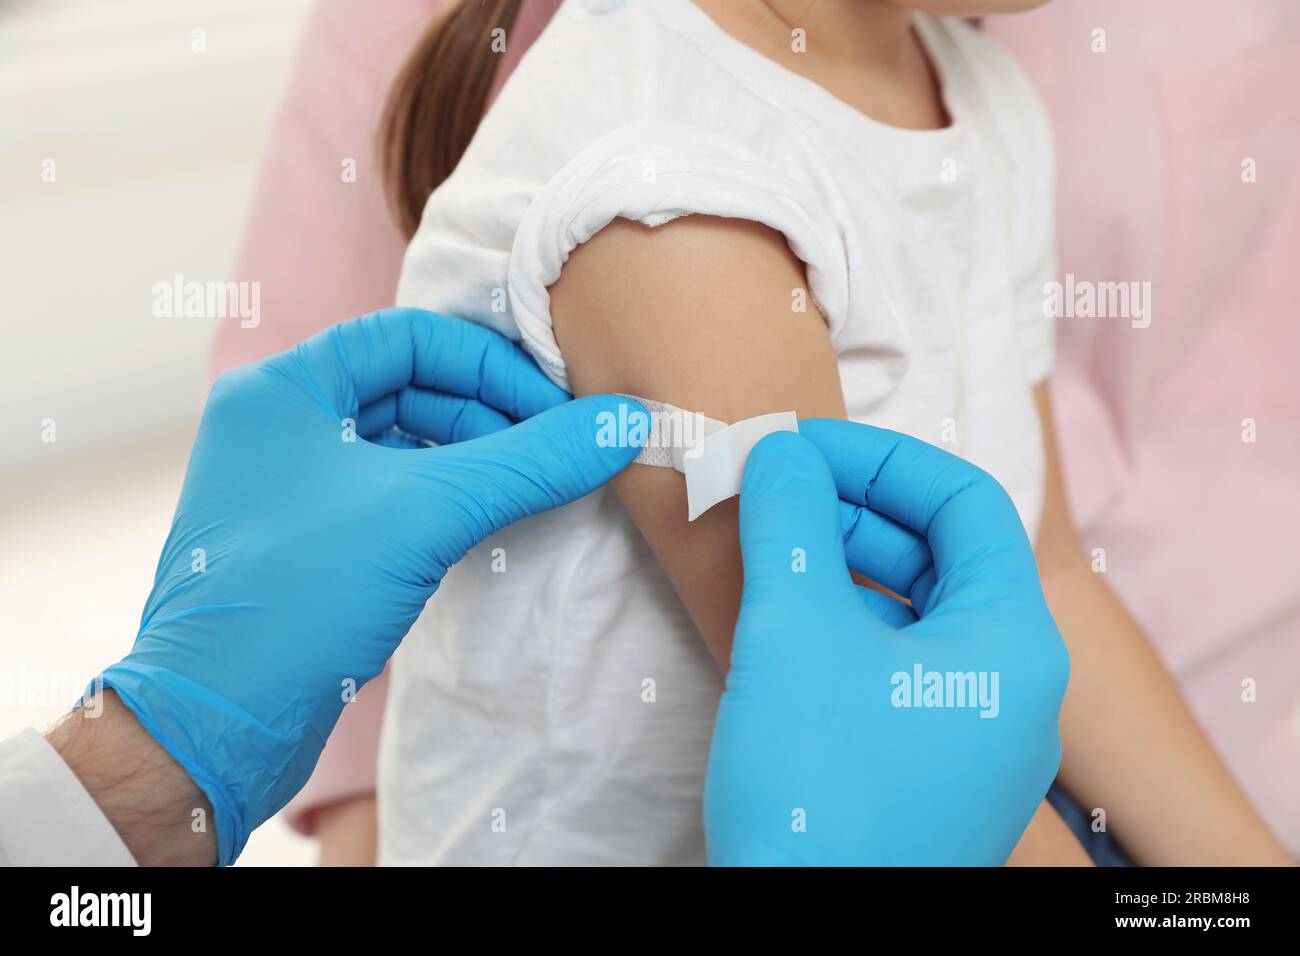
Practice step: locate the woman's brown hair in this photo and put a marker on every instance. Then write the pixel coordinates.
(437, 101)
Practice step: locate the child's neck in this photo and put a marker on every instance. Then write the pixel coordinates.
(864, 52)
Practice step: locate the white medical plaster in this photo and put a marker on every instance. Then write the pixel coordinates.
(711, 454)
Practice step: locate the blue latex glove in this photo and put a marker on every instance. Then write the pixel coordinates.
(813, 762)
(298, 559)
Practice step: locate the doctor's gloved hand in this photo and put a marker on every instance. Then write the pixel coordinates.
(301, 553)
(857, 730)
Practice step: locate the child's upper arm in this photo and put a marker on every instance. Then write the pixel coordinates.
(702, 313)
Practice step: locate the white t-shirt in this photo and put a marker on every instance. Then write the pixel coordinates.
(554, 704)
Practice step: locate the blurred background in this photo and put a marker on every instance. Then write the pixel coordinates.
(128, 145)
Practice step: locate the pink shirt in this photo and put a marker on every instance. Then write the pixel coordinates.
(1201, 530)
(321, 239)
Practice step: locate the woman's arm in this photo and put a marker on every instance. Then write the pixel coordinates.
(1047, 841)
(348, 831)
(1130, 744)
(699, 313)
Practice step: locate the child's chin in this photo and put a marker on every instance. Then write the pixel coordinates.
(971, 8)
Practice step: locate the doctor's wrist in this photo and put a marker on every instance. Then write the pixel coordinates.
(161, 815)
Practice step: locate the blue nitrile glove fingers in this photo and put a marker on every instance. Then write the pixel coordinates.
(813, 761)
(479, 384)
(908, 481)
(882, 549)
(365, 360)
(300, 554)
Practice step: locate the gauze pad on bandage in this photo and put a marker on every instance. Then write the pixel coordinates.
(711, 454)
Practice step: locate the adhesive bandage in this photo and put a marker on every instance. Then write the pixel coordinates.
(711, 454)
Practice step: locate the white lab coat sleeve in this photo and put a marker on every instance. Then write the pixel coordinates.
(47, 818)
